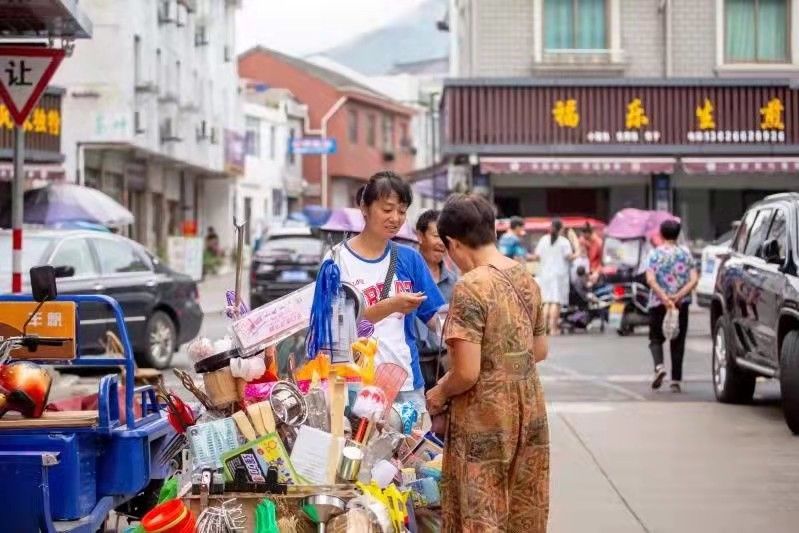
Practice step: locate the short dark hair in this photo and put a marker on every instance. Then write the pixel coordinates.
(588, 229)
(670, 229)
(581, 271)
(382, 185)
(557, 224)
(427, 218)
(468, 218)
(516, 222)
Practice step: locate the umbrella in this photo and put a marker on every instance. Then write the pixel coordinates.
(61, 203)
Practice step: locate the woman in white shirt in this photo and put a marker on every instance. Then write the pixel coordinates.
(554, 254)
(365, 260)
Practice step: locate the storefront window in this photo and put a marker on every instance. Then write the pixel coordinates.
(371, 129)
(388, 133)
(575, 24)
(756, 31)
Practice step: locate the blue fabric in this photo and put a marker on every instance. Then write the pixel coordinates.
(511, 246)
(428, 340)
(411, 266)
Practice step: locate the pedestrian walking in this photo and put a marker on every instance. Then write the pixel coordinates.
(496, 460)
(433, 252)
(554, 253)
(672, 277)
(370, 261)
(510, 244)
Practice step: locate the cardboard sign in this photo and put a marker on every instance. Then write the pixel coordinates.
(275, 321)
(54, 319)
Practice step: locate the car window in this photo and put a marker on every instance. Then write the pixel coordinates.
(298, 245)
(75, 253)
(743, 232)
(779, 231)
(758, 231)
(117, 256)
(33, 252)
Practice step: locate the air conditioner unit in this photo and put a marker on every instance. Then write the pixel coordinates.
(202, 131)
(201, 36)
(166, 11)
(138, 123)
(168, 133)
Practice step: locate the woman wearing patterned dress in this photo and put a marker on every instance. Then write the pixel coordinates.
(496, 460)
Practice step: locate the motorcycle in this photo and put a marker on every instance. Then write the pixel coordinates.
(630, 236)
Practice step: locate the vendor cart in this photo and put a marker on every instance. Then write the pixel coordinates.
(66, 471)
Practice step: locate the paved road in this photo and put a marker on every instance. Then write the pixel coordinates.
(627, 459)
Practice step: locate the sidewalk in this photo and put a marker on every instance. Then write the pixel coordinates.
(212, 291)
(663, 467)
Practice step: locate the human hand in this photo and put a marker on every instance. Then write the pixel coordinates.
(436, 401)
(669, 303)
(407, 302)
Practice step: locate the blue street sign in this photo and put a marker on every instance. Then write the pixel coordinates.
(313, 146)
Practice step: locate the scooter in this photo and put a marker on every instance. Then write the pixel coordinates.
(630, 307)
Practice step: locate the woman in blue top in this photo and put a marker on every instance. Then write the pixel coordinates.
(364, 261)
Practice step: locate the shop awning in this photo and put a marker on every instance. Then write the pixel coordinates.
(577, 165)
(739, 165)
(34, 172)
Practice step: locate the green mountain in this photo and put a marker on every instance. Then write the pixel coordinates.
(411, 39)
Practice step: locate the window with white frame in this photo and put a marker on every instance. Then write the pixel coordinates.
(756, 31)
(575, 25)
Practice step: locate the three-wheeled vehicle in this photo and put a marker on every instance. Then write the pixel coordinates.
(66, 471)
(629, 237)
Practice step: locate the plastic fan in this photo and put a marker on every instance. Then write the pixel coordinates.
(390, 378)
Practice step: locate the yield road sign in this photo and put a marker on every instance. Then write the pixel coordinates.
(25, 72)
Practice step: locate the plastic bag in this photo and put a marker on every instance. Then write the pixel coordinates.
(671, 324)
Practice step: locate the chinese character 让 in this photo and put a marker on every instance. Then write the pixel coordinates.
(772, 115)
(636, 115)
(565, 113)
(704, 116)
(17, 74)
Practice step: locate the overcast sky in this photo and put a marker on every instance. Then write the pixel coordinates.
(304, 26)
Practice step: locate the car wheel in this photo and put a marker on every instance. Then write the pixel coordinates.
(731, 384)
(789, 380)
(161, 342)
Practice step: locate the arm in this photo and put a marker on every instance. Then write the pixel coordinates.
(653, 284)
(686, 290)
(540, 348)
(380, 310)
(464, 368)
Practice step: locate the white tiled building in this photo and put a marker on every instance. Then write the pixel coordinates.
(272, 184)
(148, 102)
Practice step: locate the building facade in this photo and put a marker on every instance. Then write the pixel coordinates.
(271, 187)
(586, 107)
(371, 131)
(150, 102)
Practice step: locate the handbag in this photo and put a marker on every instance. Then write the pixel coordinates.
(671, 323)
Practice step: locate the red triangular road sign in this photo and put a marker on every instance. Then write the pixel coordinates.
(25, 72)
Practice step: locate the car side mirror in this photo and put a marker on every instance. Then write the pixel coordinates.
(64, 271)
(770, 252)
(43, 284)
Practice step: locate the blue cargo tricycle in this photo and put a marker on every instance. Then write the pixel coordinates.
(68, 472)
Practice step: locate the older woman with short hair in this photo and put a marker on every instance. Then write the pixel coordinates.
(496, 460)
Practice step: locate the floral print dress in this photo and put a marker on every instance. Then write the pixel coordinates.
(496, 460)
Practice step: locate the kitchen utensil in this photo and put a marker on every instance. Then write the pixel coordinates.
(321, 508)
(288, 404)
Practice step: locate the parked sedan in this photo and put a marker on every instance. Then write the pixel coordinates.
(161, 306)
